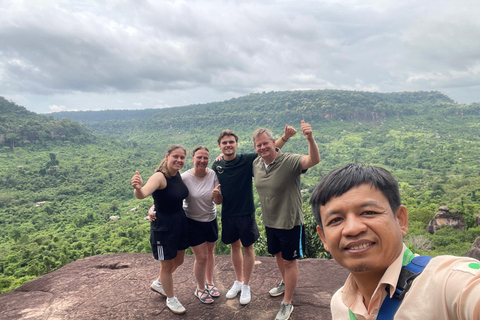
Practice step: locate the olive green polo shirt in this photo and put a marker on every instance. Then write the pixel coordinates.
(278, 188)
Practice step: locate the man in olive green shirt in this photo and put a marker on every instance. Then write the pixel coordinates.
(277, 179)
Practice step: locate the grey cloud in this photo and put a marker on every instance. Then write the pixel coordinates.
(181, 49)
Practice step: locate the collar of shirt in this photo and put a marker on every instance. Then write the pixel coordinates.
(353, 299)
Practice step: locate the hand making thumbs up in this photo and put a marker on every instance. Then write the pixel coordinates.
(136, 181)
(216, 192)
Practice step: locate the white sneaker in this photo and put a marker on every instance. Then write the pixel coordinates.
(246, 296)
(175, 306)
(157, 287)
(234, 290)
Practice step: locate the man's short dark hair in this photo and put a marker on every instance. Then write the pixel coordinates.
(227, 132)
(340, 180)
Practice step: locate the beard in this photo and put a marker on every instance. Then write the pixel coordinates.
(363, 267)
(229, 152)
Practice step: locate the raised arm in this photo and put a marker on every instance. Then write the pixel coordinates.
(313, 156)
(288, 132)
(156, 181)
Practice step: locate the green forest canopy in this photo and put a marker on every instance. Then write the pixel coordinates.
(61, 180)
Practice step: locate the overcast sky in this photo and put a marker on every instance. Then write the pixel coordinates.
(138, 54)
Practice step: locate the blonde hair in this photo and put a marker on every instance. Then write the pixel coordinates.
(261, 131)
(162, 167)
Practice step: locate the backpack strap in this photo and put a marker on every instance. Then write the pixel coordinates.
(407, 275)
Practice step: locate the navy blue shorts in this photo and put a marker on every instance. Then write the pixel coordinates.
(290, 243)
(169, 234)
(242, 227)
(200, 232)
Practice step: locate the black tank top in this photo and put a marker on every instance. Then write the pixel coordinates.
(170, 199)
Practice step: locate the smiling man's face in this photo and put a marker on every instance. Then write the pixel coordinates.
(361, 231)
(228, 145)
(265, 147)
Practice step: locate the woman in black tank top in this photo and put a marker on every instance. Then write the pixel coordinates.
(168, 229)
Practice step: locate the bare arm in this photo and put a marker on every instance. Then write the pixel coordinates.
(288, 132)
(313, 156)
(156, 181)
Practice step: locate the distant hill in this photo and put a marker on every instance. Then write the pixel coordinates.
(273, 107)
(335, 102)
(19, 126)
(103, 116)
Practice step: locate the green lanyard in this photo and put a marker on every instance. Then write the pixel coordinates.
(407, 258)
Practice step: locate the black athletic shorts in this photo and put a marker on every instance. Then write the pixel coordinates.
(290, 243)
(200, 232)
(242, 227)
(169, 234)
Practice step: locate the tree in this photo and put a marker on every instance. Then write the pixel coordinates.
(12, 138)
(15, 233)
(114, 206)
(53, 160)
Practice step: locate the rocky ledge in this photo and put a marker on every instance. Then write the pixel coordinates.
(117, 286)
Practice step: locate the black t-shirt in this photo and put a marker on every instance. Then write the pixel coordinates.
(235, 178)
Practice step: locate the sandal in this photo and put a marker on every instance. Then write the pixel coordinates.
(213, 290)
(204, 296)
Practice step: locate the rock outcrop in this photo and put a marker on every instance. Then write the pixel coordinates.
(445, 218)
(117, 286)
(474, 251)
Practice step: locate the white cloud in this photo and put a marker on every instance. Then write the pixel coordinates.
(54, 108)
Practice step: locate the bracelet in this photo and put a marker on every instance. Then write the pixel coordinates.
(284, 139)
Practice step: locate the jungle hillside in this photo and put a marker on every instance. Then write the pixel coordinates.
(65, 189)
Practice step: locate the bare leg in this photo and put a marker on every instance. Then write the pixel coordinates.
(237, 260)
(290, 279)
(248, 263)
(179, 259)
(166, 276)
(200, 264)
(167, 267)
(281, 265)
(160, 272)
(210, 262)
